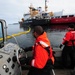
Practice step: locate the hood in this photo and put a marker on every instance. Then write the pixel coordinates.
(43, 37)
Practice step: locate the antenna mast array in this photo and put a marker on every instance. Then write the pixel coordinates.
(46, 5)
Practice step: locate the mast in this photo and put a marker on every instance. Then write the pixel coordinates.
(31, 6)
(46, 5)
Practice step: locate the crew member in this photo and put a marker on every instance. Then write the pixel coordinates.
(68, 52)
(42, 61)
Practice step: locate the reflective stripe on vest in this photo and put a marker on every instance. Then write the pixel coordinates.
(43, 44)
(32, 63)
(46, 45)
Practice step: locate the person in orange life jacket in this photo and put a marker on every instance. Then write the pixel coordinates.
(69, 47)
(42, 61)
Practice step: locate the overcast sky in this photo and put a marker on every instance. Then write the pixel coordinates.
(12, 10)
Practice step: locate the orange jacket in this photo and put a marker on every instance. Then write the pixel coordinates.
(69, 36)
(40, 55)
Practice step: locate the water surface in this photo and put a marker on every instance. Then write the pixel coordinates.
(55, 35)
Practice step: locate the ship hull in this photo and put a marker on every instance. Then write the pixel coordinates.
(63, 20)
(34, 22)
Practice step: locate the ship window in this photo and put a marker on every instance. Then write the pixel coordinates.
(52, 17)
(71, 15)
(0, 31)
(1, 34)
(58, 16)
(64, 16)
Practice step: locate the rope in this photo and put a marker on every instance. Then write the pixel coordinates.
(18, 34)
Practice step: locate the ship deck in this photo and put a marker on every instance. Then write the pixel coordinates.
(58, 68)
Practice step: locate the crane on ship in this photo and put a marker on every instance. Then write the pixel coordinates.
(37, 12)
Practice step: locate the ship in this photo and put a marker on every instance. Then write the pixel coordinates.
(36, 16)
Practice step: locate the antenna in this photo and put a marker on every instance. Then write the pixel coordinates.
(46, 5)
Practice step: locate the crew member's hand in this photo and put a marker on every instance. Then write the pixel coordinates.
(27, 49)
(24, 60)
(60, 45)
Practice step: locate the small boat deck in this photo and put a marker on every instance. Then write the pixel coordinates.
(62, 71)
(58, 68)
(57, 72)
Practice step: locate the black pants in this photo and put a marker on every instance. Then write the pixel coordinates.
(35, 71)
(47, 70)
(68, 57)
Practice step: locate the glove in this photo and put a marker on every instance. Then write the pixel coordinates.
(27, 49)
(65, 43)
(25, 60)
(60, 45)
(22, 60)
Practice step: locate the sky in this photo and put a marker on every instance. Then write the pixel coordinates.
(12, 10)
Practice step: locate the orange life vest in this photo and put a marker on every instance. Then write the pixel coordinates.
(69, 37)
(40, 55)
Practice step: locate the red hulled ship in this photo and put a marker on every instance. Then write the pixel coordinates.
(66, 19)
(39, 17)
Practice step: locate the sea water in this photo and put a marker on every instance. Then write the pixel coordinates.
(55, 35)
